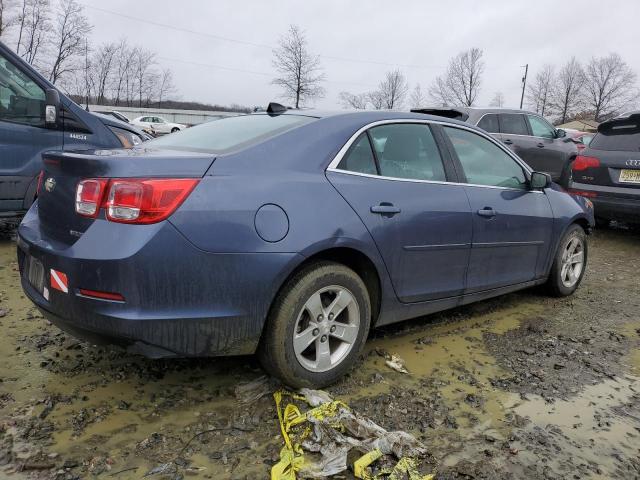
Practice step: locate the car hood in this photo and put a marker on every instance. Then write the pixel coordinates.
(114, 122)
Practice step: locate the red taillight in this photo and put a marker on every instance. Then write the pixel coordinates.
(40, 177)
(583, 193)
(582, 163)
(133, 200)
(102, 295)
(146, 201)
(89, 195)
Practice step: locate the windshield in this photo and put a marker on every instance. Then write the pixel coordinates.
(228, 134)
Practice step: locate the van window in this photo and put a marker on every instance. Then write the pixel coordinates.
(21, 99)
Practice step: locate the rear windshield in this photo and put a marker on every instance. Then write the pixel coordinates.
(618, 138)
(229, 134)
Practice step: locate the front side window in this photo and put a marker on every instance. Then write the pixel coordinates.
(359, 158)
(21, 99)
(230, 134)
(489, 123)
(540, 128)
(513, 123)
(407, 150)
(484, 163)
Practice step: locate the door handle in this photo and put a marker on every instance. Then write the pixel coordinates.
(487, 212)
(507, 142)
(385, 208)
(540, 145)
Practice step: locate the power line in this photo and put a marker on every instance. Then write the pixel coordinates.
(254, 44)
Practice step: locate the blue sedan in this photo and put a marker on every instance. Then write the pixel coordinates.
(291, 234)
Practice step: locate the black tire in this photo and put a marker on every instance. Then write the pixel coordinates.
(555, 284)
(276, 352)
(175, 129)
(566, 176)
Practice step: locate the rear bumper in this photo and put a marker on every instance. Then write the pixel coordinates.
(179, 300)
(613, 203)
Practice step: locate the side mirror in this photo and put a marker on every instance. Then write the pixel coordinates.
(560, 133)
(52, 108)
(540, 180)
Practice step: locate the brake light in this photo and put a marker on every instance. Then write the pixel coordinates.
(582, 163)
(583, 193)
(133, 200)
(89, 195)
(146, 200)
(40, 177)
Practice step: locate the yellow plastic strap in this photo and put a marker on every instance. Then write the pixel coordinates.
(407, 467)
(360, 466)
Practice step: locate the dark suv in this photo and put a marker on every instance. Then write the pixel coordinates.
(544, 147)
(608, 170)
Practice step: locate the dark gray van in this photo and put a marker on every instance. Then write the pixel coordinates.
(34, 117)
(544, 147)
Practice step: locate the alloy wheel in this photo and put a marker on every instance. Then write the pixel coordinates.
(572, 262)
(326, 328)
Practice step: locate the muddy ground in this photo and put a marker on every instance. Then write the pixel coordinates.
(523, 386)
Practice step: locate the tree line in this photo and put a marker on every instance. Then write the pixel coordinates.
(600, 88)
(53, 36)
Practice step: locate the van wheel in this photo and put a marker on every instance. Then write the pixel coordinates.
(569, 263)
(317, 326)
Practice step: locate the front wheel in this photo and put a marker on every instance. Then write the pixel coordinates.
(569, 263)
(175, 129)
(317, 326)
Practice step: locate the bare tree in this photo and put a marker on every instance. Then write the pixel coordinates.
(567, 93)
(145, 77)
(8, 18)
(376, 99)
(103, 65)
(417, 98)
(357, 101)
(393, 90)
(461, 83)
(498, 100)
(70, 30)
(34, 26)
(610, 85)
(539, 90)
(299, 72)
(124, 67)
(165, 85)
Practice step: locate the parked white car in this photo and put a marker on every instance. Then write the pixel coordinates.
(157, 124)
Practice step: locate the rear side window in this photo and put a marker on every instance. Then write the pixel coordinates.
(513, 123)
(360, 157)
(618, 138)
(21, 99)
(489, 123)
(407, 150)
(228, 134)
(484, 163)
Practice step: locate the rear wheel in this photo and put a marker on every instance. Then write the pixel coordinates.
(317, 326)
(175, 129)
(569, 263)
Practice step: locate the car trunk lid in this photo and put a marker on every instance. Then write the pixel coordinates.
(63, 171)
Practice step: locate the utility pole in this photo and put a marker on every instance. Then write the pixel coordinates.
(524, 84)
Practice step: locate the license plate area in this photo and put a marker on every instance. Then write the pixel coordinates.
(629, 176)
(35, 273)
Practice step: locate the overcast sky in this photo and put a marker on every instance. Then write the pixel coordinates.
(359, 40)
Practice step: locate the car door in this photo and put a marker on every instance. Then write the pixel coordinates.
(547, 153)
(512, 224)
(396, 179)
(160, 125)
(23, 135)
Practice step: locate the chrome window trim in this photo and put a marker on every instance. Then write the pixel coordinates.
(516, 134)
(333, 165)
